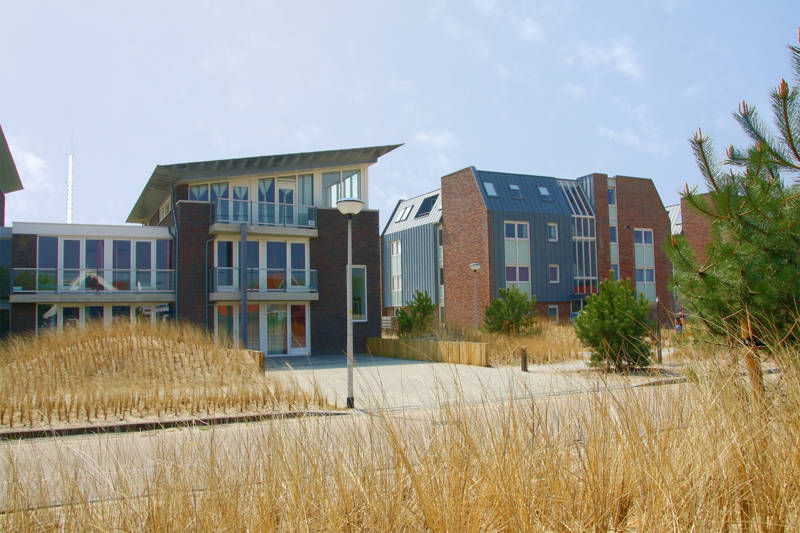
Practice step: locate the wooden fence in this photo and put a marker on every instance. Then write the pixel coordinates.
(462, 353)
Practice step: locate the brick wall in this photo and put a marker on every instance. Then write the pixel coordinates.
(640, 206)
(193, 223)
(23, 317)
(467, 238)
(23, 251)
(328, 254)
(564, 309)
(696, 228)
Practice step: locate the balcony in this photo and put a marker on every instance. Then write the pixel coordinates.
(265, 217)
(265, 284)
(113, 285)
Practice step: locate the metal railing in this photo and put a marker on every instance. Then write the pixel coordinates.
(264, 280)
(264, 213)
(91, 280)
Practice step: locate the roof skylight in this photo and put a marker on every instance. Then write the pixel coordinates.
(490, 190)
(426, 206)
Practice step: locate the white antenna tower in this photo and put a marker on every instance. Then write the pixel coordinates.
(69, 189)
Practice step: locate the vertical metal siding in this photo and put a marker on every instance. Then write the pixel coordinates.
(418, 260)
(543, 253)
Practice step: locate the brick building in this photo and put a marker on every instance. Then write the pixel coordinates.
(553, 238)
(252, 248)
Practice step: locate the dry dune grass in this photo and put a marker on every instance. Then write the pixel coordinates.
(96, 374)
(698, 456)
(553, 343)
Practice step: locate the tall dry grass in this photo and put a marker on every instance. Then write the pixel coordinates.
(97, 374)
(551, 343)
(699, 456)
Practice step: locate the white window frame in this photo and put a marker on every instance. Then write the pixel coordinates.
(558, 273)
(396, 275)
(518, 264)
(551, 308)
(649, 252)
(553, 225)
(366, 296)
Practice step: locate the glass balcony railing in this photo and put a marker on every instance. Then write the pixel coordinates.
(264, 213)
(264, 280)
(85, 280)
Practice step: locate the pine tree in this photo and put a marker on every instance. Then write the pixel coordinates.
(417, 318)
(614, 325)
(749, 285)
(512, 312)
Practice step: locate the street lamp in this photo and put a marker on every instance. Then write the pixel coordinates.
(475, 267)
(350, 207)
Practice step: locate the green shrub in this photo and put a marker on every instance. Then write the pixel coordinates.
(614, 325)
(512, 312)
(417, 318)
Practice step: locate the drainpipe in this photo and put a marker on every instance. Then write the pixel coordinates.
(175, 248)
(243, 284)
(208, 290)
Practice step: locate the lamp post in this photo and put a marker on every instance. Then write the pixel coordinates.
(350, 207)
(475, 267)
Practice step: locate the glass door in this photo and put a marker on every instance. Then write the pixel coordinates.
(276, 330)
(299, 275)
(298, 329)
(240, 203)
(266, 201)
(71, 264)
(286, 188)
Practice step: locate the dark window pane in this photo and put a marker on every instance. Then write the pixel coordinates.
(72, 254)
(359, 293)
(612, 196)
(266, 190)
(522, 231)
(426, 206)
(649, 275)
(163, 254)
(225, 254)
(121, 312)
(94, 253)
(648, 237)
(48, 252)
(276, 255)
(523, 274)
(94, 312)
(298, 255)
(637, 236)
(511, 273)
(510, 230)
(143, 259)
(612, 231)
(122, 254)
(639, 274)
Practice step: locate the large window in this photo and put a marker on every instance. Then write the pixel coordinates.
(396, 273)
(340, 184)
(359, 293)
(644, 263)
(517, 256)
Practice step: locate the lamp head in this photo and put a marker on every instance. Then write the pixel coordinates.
(475, 266)
(350, 206)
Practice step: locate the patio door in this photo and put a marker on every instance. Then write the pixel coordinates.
(298, 340)
(286, 190)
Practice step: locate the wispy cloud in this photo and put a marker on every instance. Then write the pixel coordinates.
(644, 135)
(618, 56)
(574, 90)
(40, 198)
(528, 28)
(439, 143)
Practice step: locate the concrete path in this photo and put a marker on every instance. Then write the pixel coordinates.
(388, 383)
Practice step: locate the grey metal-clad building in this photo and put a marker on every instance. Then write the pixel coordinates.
(413, 226)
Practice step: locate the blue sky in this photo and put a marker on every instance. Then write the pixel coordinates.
(550, 88)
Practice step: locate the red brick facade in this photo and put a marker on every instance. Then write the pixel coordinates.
(638, 206)
(467, 236)
(697, 229)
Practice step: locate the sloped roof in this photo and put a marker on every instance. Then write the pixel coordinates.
(675, 219)
(9, 177)
(528, 198)
(434, 216)
(165, 176)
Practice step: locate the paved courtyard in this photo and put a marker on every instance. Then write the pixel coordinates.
(389, 383)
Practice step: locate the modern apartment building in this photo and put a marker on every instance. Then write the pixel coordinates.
(553, 238)
(9, 182)
(252, 248)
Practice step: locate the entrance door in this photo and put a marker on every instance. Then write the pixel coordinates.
(297, 330)
(286, 187)
(276, 330)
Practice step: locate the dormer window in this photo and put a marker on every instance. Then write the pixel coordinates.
(515, 192)
(490, 190)
(426, 206)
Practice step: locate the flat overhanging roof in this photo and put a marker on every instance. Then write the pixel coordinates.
(9, 177)
(164, 177)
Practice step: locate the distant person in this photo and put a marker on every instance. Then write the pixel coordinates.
(680, 321)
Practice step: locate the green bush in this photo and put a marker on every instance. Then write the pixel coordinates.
(512, 312)
(417, 318)
(614, 325)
